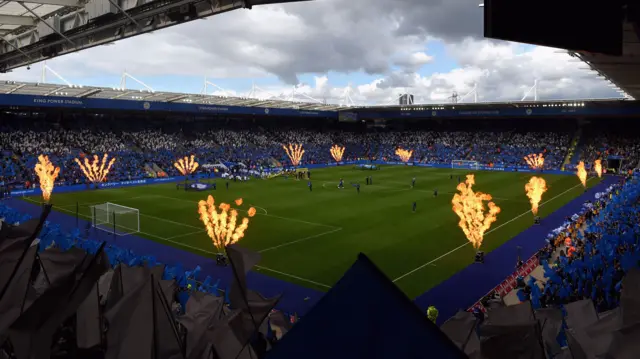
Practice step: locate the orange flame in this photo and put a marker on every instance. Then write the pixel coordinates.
(238, 202)
(337, 152)
(582, 174)
(222, 227)
(598, 167)
(535, 188)
(405, 155)
(92, 171)
(186, 165)
(47, 175)
(535, 161)
(469, 206)
(295, 153)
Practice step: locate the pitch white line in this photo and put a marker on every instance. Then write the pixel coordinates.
(180, 244)
(489, 231)
(301, 221)
(293, 276)
(170, 221)
(185, 234)
(262, 208)
(299, 240)
(89, 204)
(263, 214)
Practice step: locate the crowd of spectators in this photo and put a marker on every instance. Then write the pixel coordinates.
(144, 152)
(589, 255)
(624, 146)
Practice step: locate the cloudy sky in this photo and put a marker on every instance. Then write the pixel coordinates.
(372, 49)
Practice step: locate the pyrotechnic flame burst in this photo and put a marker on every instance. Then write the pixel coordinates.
(238, 202)
(405, 155)
(469, 206)
(186, 165)
(96, 171)
(598, 167)
(222, 227)
(582, 174)
(337, 152)
(535, 188)
(47, 174)
(295, 152)
(535, 161)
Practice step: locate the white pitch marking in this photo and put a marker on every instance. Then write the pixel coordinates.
(185, 234)
(489, 231)
(299, 240)
(293, 276)
(268, 215)
(262, 208)
(180, 244)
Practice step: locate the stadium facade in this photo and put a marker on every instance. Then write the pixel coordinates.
(570, 108)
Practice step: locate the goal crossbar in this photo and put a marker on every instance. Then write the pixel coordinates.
(465, 164)
(115, 219)
(118, 206)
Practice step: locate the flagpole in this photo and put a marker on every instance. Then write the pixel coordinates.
(246, 302)
(44, 271)
(153, 310)
(165, 305)
(45, 213)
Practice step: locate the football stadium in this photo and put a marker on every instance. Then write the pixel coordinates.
(175, 225)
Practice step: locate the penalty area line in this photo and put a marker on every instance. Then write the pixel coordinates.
(489, 231)
(293, 276)
(169, 240)
(300, 240)
(261, 214)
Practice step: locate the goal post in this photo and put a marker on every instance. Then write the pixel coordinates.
(465, 165)
(116, 219)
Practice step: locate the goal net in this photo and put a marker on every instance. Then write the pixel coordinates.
(464, 164)
(116, 219)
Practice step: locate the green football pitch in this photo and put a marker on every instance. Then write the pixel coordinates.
(311, 238)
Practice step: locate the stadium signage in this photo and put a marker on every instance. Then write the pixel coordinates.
(130, 105)
(127, 183)
(57, 101)
(516, 112)
(362, 113)
(82, 187)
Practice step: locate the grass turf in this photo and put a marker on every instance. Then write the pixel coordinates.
(311, 238)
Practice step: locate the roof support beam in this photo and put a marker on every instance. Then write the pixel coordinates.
(72, 3)
(89, 92)
(17, 20)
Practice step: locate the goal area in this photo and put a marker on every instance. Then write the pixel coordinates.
(115, 219)
(465, 165)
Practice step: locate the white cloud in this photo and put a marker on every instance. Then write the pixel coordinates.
(333, 36)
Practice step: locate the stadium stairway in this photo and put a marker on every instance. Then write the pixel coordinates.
(149, 170)
(573, 151)
(295, 299)
(475, 281)
(156, 168)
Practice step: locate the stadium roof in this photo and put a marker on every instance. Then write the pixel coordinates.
(35, 30)
(68, 90)
(624, 71)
